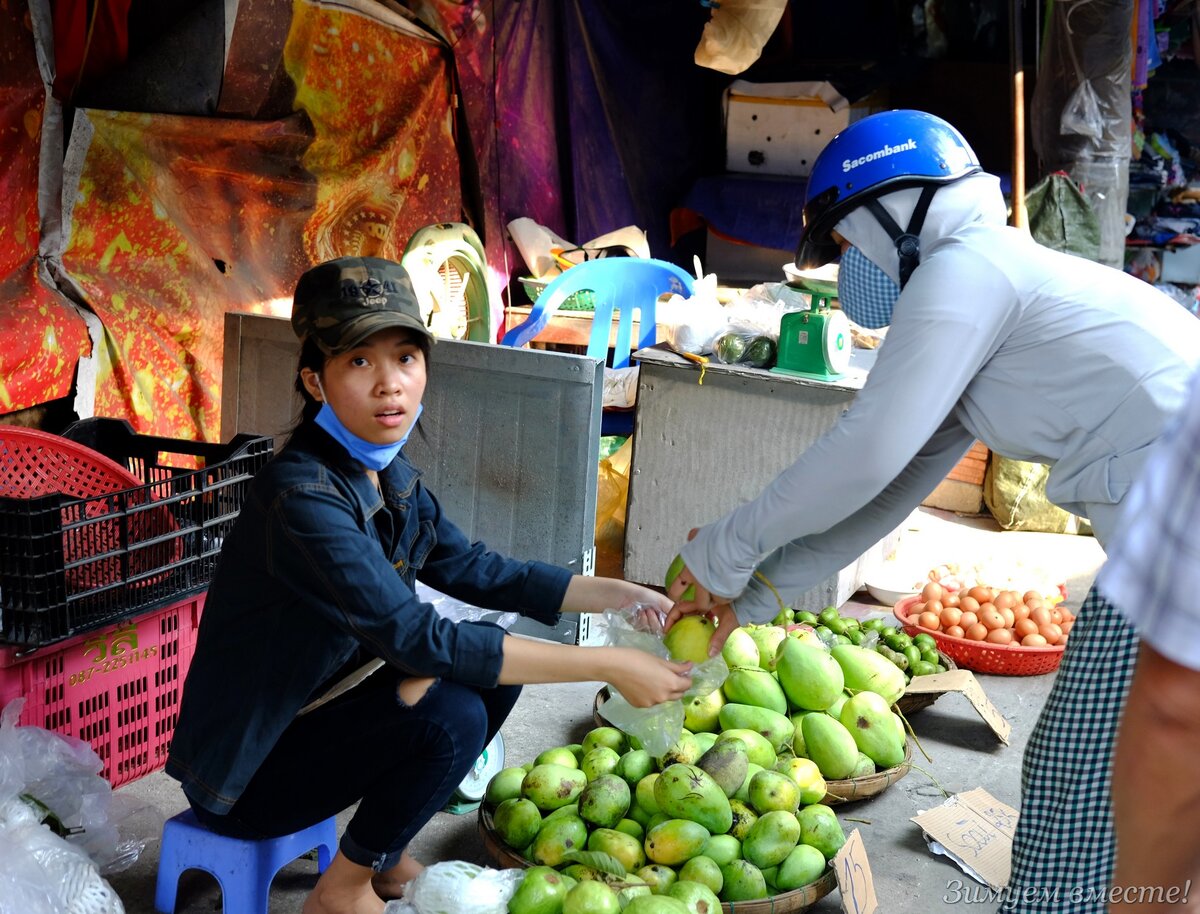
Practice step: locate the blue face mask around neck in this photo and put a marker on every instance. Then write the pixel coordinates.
(865, 292)
(373, 456)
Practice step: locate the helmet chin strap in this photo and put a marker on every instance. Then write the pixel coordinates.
(908, 242)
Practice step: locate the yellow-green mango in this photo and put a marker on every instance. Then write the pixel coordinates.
(770, 790)
(605, 801)
(810, 677)
(767, 638)
(658, 876)
(775, 727)
(864, 767)
(675, 841)
(581, 873)
(771, 839)
(517, 822)
(705, 741)
(688, 792)
(820, 828)
(686, 751)
(803, 865)
(551, 786)
(623, 847)
(807, 775)
(743, 881)
(598, 761)
(504, 785)
(869, 719)
(830, 745)
(744, 818)
(559, 755)
(557, 838)
(758, 747)
(757, 688)
(865, 670)
(644, 793)
(726, 762)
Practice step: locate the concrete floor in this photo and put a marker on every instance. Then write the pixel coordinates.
(909, 879)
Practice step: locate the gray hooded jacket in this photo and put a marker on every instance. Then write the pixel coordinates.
(1042, 356)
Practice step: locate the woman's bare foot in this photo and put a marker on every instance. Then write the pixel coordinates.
(344, 888)
(390, 883)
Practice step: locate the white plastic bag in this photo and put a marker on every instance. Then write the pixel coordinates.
(736, 33)
(458, 887)
(693, 323)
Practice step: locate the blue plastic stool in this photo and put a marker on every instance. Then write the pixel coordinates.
(244, 869)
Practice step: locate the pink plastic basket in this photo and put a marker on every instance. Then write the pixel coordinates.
(117, 688)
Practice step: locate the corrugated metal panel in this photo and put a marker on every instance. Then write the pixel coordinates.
(701, 450)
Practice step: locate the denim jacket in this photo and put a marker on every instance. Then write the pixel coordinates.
(317, 575)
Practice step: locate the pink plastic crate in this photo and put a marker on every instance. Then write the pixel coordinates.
(118, 688)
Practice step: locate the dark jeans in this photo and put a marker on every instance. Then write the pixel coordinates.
(400, 764)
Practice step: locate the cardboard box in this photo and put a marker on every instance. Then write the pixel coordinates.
(779, 128)
(962, 489)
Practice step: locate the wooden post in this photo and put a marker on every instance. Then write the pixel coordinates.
(1017, 65)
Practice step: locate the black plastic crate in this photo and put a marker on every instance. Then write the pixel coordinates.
(68, 565)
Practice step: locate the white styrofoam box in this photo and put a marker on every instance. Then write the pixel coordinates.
(779, 128)
(1181, 264)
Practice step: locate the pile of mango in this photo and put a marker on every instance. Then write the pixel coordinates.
(914, 655)
(732, 811)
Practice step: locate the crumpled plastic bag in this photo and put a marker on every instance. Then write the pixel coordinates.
(691, 324)
(58, 779)
(458, 887)
(545, 252)
(1081, 114)
(736, 33)
(658, 727)
(43, 874)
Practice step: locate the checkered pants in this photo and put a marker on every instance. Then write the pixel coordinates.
(1064, 849)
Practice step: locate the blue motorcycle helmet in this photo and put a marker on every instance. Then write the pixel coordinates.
(881, 153)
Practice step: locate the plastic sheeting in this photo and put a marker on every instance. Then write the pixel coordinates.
(1081, 108)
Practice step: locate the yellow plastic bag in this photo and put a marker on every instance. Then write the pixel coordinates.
(612, 498)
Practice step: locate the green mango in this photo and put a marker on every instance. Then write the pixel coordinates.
(633, 766)
(644, 793)
(580, 873)
(776, 728)
(770, 790)
(559, 755)
(688, 792)
(723, 849)
(686, 751)
(835, 709)
(504, 785)
(830, 745)
(740, 650)
(558, 837)
(598, 761)
(655, 904)
(632, 828)
(743, 881)
(810, 677)
(631, 887)
(591, 898)
(704, 870)
(864, 767)
(755, 687)
(551, 785)
(772, 838)
(706, 741)
(517, 822)
(726, 763)
(542, 890)
(767, 638)
(869, 719)
(675, 841)
(619, 845)
(610, 737)
(865, 670)
(820, 828)
(758, 748)
(803, 865)
(697, 897)
(700, 713)
(605, 801)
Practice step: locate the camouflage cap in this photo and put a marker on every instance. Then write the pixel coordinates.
(341, 302)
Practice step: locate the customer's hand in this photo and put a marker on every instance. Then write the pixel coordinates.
(723, 613)
(644, 679)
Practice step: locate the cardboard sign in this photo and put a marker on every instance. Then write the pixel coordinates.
(976, 831)
(853, 874)
(963, 681)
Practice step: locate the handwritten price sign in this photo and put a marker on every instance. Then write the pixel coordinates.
(854, 877)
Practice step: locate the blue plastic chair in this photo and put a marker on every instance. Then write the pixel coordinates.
(244, 869)
(620, 283)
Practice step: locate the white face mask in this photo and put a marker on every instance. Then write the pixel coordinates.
(865, 292)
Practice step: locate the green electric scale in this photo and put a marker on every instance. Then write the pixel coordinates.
(814, 343)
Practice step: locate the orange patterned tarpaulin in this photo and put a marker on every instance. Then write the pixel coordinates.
(178, 220)
(41, 335)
